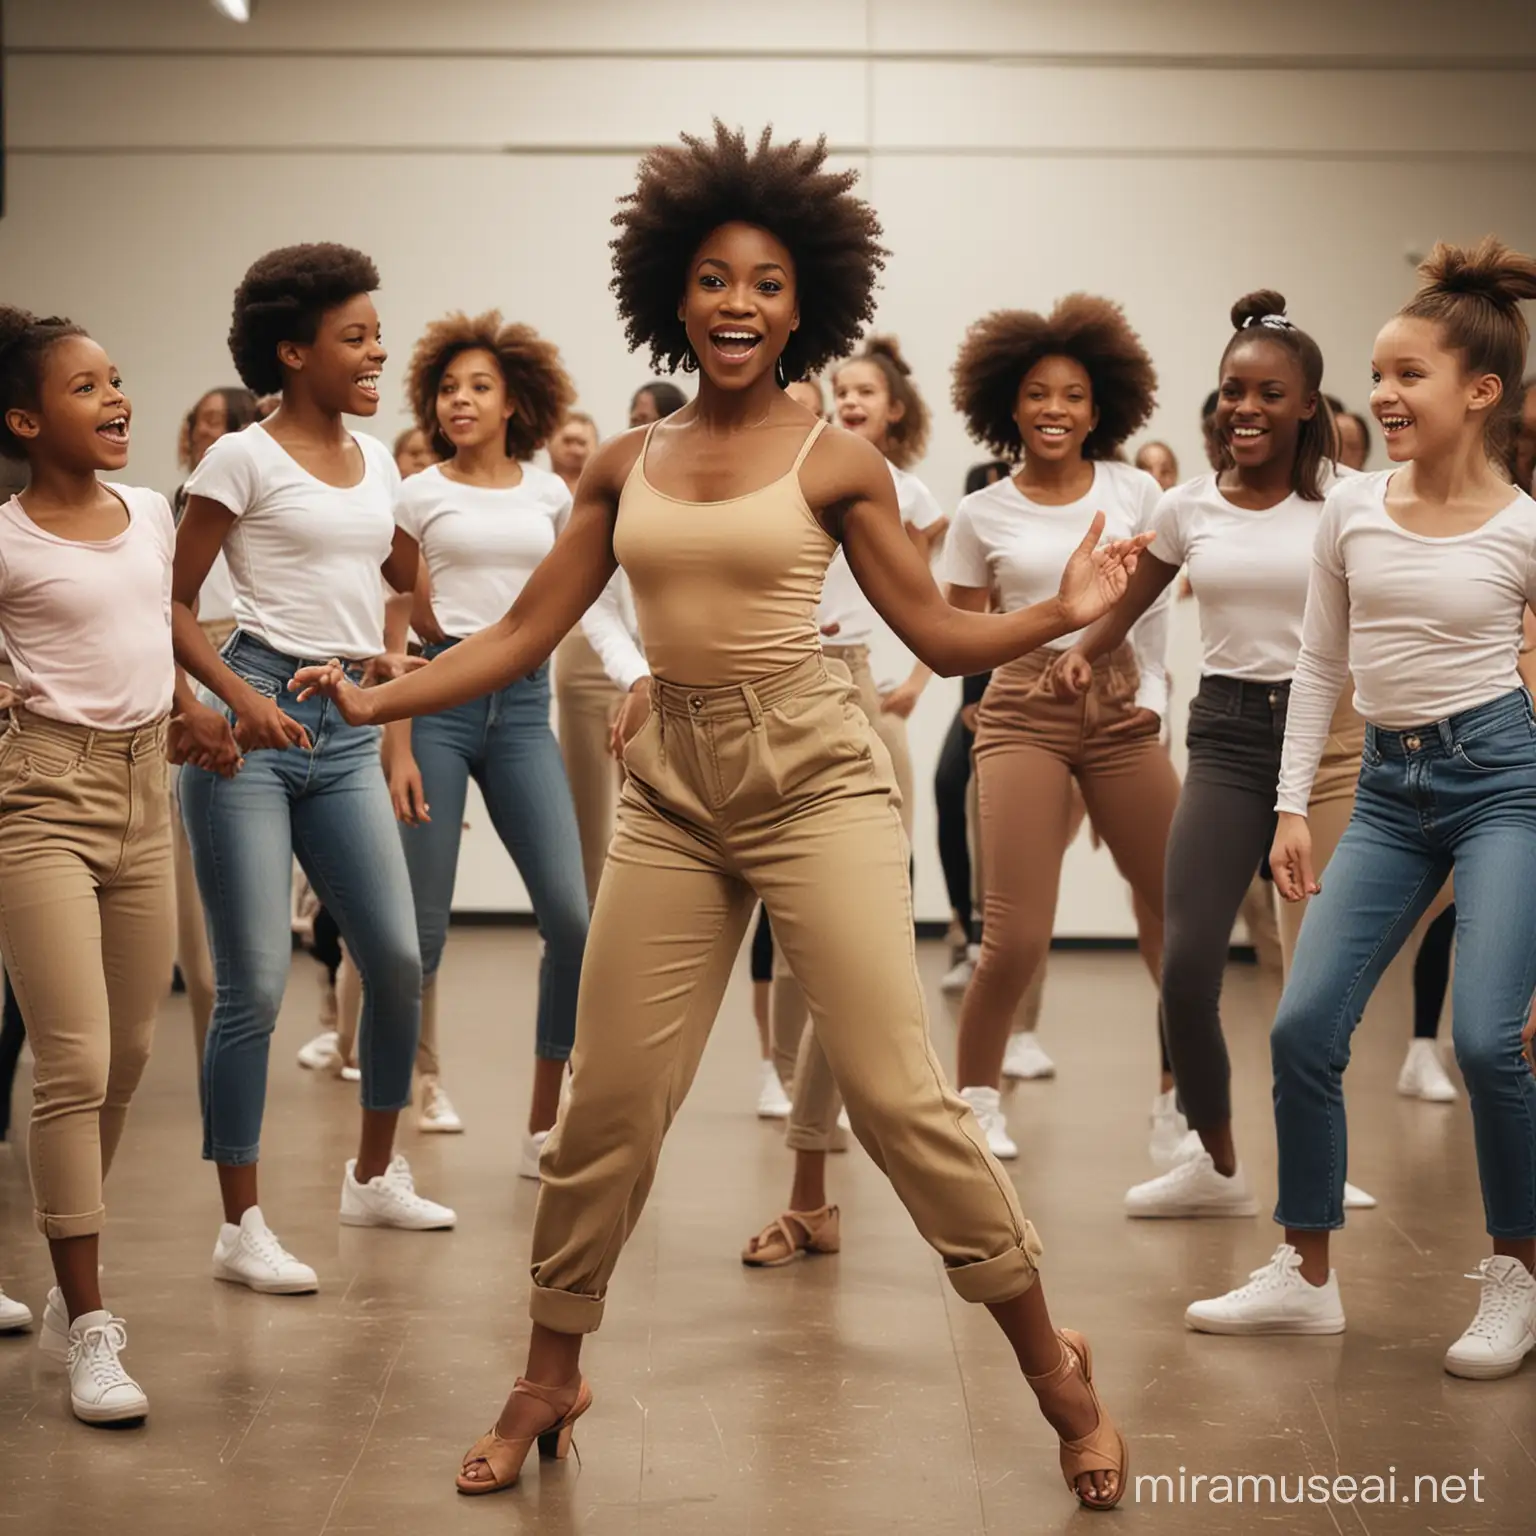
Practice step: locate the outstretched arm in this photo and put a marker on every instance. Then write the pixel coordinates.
(566, 583)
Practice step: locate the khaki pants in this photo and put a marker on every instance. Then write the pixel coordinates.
(87, 927)
(777, 789)
(585, 701)
(1030, 748)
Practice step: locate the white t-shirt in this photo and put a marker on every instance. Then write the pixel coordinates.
(1000, 539)
(1429, 627)
(1249, 571)
(304, 556)
(842, 598)
(88, 626)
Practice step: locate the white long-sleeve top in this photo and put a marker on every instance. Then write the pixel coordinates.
(1430, 627)
(613, 631)
(1001, 539)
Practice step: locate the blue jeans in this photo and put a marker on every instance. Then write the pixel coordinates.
(503, 741)
(331, 807)
(1459, 794)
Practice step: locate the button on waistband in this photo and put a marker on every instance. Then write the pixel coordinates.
(1412, 743)
(696, 703)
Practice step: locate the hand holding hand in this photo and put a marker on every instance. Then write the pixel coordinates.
(1290, 859)
(260, 723)
(202, 737)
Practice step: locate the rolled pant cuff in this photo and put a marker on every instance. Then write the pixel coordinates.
(1326, 1225)
(56, 1227)
(231, 1157)
(812, 1139)
(565, 1311)
(1001, 1277)
(543, 1050)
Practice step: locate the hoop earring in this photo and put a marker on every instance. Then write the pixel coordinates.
(690, 361)
(780, 373)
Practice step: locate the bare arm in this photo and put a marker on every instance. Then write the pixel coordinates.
(566, 583)
(404, 557)
(1151, 580)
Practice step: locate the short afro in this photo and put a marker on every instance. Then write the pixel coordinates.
(536, 381)
(999, 350)
(282, 298)
(685, 191)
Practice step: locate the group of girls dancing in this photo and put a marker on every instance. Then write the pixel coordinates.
(761, 760)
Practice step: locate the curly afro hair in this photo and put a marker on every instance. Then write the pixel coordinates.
(25, 342)
(282, 297)
(685, 191)
(536, 382)
(999, 350)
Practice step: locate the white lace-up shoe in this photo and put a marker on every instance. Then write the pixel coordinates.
(1193, 1188)
(434, 1109)
(390, 1200)
(14, 1315)
(1423, 1075)
(1025, 1059)
(100, 1390)
(986, 1105)
(958, 977)
(53, 1336)
(321, 1054)
(1275, 1300)
(1169, 1129)
(251, 1255)
(772, 1102)
(1504, 1331)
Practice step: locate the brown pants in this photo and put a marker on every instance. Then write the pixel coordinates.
(87, 928)
(1029, 749)
(781, 790)
(585, 701)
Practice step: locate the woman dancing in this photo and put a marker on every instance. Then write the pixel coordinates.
(750, 770)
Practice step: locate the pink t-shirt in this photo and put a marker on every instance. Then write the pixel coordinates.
(88, 626)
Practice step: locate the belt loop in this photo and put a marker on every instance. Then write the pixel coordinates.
(754, 709)
(1447, 735)
(1372, 739)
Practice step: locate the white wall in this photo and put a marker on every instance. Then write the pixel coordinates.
(1171, 155)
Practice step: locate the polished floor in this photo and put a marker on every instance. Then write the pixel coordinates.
(848, 1394)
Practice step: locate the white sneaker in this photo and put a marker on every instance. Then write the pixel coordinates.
(1275, 1300)
(1504, 1331)
(435, 1111)
(958, 977)
(390, 1200)
(53, 1336)
(251, 1255)
(100, 1390)
(1193, 1188)
(14, 1315)
(350, 1074)
(1356, 1199)
(772, 1102)
(321, 1054)
(1169, 1130)
(986, 1105)
(1423, 1075)
(1025, 1058)
(533, 1145)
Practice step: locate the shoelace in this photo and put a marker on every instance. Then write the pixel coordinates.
(1500, 1299)
(98, 1347)
(268, 1249)
(399, 1178)
(1272, 1275)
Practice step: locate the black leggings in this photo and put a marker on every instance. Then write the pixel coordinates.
(762, 947)
(12, 1033)
(951, 781)
(1432, 974)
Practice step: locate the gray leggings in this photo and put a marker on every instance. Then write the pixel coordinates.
(1221, 831)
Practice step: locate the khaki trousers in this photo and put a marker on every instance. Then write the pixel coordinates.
(585, 701)
(87, 928)
(778, 790)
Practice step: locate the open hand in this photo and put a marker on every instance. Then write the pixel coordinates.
(260, 723)
(202, 737)
(332, 682)
(1290, 859)
(1071, 676)
(1095, 578)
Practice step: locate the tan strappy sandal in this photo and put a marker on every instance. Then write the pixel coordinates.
(794, 1233)
(1103, 1449)
(504, 1458)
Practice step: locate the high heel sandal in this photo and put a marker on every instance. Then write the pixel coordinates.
(504, 1458)
(1103, 1448)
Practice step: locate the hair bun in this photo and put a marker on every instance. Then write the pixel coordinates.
(1489, 269)
(14, 325)
(888, 347)
(1256, 306)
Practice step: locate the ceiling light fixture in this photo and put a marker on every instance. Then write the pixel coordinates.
(236, 10)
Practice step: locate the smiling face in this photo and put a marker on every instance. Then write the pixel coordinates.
(1423, 396)
(864, 404)
(1261, 403)
(473, 407)
(739, 306)
(82, 415)
(1055, 410)
(341, 366)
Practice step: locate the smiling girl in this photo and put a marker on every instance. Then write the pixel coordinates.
(1419, 583)
(304, 510)
(87, 905)
(750, 771)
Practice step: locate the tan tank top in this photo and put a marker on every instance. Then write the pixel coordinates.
(725, 591)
